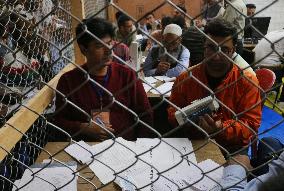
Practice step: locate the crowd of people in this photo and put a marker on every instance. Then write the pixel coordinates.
(116, 95)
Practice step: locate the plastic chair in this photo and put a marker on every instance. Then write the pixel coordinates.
(266, 79)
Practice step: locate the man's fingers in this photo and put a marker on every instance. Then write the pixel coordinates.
(209, 120)
(203, 124)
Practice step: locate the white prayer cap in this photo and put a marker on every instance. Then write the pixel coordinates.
(173, 29)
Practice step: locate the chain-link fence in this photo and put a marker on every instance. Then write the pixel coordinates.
(169, 104)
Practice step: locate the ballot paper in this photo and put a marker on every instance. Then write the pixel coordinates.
(81, 151)
(46, 177)
(165, 89)
(138, 165)
(115, 156)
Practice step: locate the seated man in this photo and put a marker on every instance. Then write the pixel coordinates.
(250, 9)
(158, 63)
(105, 91)
(158, 34)
(236, 91)
(211, 9)
(125, 32)
(271, 57)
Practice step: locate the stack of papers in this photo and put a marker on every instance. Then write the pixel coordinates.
(118, 161)
(46, 177)
(164, 88)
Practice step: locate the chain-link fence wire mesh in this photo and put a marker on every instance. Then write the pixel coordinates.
(52, 31)
(35, 37)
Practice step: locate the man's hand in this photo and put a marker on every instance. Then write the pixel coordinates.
(97, 131)
(209, 125)
(162, 68)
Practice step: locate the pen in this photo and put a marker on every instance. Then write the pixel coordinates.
(100, 121)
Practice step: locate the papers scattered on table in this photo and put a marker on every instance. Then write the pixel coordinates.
(118, 161)
(164, 89)
(52, 177)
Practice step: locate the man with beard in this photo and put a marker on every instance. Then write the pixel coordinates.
(102, 97)
(158, 63)
(239, 115)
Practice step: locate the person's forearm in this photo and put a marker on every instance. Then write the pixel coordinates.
(234, 178)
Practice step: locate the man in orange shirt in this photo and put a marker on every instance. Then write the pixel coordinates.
(239, 114)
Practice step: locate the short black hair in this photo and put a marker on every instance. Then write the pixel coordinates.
(118, 14)
(122, 19)
(166, 20)
(251, 6)
(97, 26)
(221, 28)
(180, 21)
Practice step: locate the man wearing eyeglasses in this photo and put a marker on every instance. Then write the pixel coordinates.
(236, 90)
(170, 60)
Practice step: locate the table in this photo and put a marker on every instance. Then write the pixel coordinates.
(209, 151)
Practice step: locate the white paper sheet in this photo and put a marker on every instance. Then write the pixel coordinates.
(165, 88)
(48, 179)
(114, 158)
(81, 151)
(147, 88)
(150, 80)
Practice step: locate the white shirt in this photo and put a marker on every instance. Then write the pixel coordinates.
(236, 14)
(263, 49)
(242, 64)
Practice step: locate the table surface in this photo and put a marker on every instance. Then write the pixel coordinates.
(208, 151)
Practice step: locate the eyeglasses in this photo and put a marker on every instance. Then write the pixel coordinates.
(212, 48)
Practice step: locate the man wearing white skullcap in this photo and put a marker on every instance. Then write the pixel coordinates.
(170, 60)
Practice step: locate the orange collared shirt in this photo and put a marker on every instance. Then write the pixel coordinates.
(238, 92)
